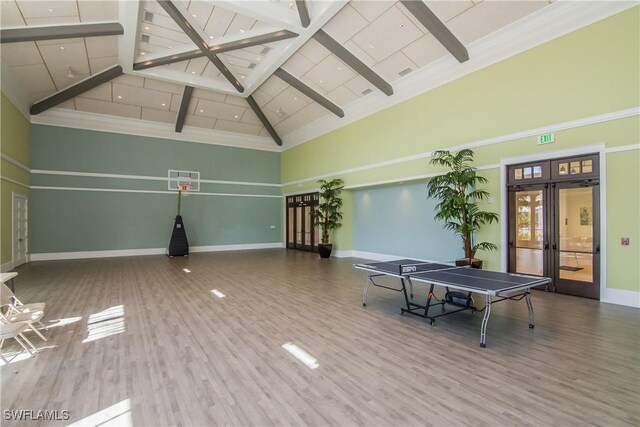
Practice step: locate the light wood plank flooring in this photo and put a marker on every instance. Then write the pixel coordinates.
(153, 346)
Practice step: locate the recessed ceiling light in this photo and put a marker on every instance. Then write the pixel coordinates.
(50, 10)
(371, 46)
(236, 116)
(401, 26)
(119, 96)
(295, 98)
(241, 30)
(230, 62)
(321, 81)
(146, 28)
(194, 15)
(242, 77)
(193, 72)
(142, 53)
(258, 59)
(70, 73)
(340, 68)
(291, 5)
(61, 47)
(163, 104)
(211, 37)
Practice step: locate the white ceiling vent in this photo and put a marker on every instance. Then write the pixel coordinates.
(265, 50)
(145, 38)
(405, 71)
(252, 66)
(148, 16)
(366, 91)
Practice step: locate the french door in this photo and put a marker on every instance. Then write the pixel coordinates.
(301, 233)
(20, 229)
(554, 223)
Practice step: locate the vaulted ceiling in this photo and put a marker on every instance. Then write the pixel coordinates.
(257, 68)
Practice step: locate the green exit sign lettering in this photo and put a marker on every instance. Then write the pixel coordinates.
(546, 138)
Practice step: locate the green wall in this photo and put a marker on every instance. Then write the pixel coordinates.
(14, 143)
(589, 72)
(72, 213)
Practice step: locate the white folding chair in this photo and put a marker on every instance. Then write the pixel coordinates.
(15, 330)
(18, 312)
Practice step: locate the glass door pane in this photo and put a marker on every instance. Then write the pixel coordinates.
(529, 232)
(298, 225)
(290, 228)
(575, 234)
(308, 228)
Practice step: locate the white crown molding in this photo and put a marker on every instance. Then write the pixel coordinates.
(145, 177)
(15, 162)
(550, 22)
(616, 115)
(55, 256)
(105, 123)
(622, 148)
(122, 190)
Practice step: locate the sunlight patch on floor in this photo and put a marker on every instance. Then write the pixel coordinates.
(301, 355)
(106, 323)
(115, 415)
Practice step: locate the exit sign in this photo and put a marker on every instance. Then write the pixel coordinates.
(546, 138)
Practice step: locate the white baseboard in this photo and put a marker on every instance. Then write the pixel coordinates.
(240, 247)
(54, 256)
(342, 254)
(7, 266)
(374, 256)
(621, 297)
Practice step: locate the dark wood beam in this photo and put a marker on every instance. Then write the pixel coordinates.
(301, 5)
(27, 34)
(302, 87)
(75, 90)
(436, 27)
(217, 49)
(256, 109)
(184, 106)
(350, 59)
(192, 33)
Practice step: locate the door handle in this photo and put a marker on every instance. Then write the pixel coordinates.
(510, 243)
(546, 245)
(597, 249)
(554, 247)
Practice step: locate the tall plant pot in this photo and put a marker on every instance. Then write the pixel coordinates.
(325, 250)
(474, 262)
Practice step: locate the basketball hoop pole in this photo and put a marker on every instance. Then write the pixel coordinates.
(179, 197)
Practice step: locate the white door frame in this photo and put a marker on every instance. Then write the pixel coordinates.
(15, 196)
(601, 150)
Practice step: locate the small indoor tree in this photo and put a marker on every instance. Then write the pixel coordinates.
(458, 195)
(327, 215)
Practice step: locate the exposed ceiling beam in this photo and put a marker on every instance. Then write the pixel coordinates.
(292, 81)
(183, 22)
(350, 59)
(27, 34)
(256, 109)
(184, 106)
(216, 49)
(75, 90)
(436, 27)
(301, 5)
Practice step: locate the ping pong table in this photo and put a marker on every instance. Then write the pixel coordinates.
(464, 281)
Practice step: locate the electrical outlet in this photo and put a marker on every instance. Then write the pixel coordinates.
(624, 241)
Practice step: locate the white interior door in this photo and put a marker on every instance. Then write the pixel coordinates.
(20, 227)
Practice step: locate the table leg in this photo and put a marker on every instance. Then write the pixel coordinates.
(364, 291)
(485, 321)
(411, 289)
(527, 298)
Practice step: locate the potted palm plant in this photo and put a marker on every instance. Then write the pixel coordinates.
(327, 216)
(458, 195)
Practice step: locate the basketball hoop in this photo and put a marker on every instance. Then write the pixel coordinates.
(184, 187)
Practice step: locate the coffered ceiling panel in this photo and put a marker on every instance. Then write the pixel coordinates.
(383, 35)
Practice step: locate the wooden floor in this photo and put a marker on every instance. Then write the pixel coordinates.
(139, 341)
